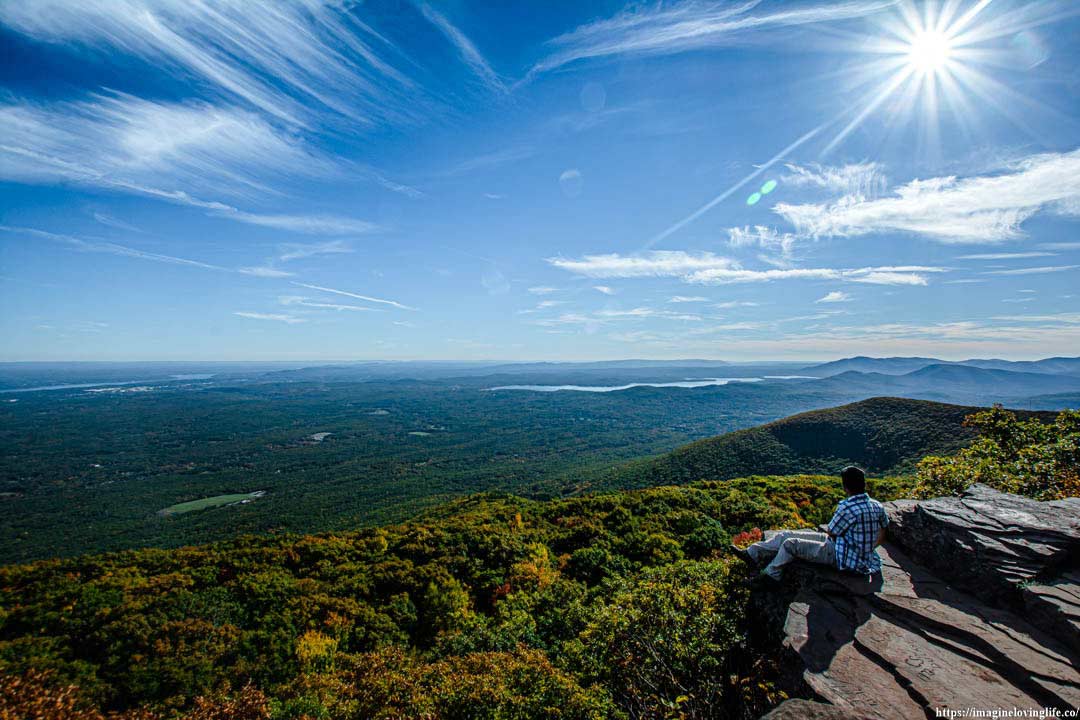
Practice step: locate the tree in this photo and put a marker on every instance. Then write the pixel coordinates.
(1027, 457)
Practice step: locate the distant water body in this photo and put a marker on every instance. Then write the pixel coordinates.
(76, 386)
(704, 382)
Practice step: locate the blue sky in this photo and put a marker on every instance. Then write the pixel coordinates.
(737, 180)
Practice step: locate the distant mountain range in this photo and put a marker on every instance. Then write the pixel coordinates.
(950, 382)
(905, 365)
(884, 435)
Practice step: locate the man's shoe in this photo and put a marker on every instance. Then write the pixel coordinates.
(765, 581)
(744, 555)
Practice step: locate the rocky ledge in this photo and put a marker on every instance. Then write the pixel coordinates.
(977, 606)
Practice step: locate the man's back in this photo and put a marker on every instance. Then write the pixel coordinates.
(855, 526)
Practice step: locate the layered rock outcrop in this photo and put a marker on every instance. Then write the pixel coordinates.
(976, 607)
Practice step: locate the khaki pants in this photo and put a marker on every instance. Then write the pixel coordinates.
(787, 545)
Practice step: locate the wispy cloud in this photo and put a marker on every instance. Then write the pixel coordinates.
(886, 275)
(688, 299)
(1065, 318)
(163, 150)
(865, 180)
(604, 289)
(126, 139)
(298, 251)
(490, 160)
(264, 271)
(110, 221)
(834, 297)
(1033, 270)
(1004, 256)
(656, 263)
(687, 25)
(986, 208)
(357, 296)
(542, 290)
(394, 186)
(90, 326)
(299, 300)
(102, 246)
(708, 268)
(287, 252)
(544, 305)
(734, 304)
(764, 237)
(308, 224)
(279, 317)
(588, 323)
(291, 60)
(645, 312)
(465, 47)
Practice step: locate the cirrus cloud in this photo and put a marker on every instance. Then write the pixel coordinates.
(977, 209)
(710, 269)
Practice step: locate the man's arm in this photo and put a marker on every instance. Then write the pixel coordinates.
(839, 524)
(884, 520)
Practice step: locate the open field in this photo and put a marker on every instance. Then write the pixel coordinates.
(210, 502)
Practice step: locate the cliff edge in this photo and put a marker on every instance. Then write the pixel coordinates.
(977, 606)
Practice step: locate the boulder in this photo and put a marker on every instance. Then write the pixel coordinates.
(922, 636)
(1011, 551)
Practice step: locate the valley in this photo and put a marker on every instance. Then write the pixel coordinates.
(395, 438)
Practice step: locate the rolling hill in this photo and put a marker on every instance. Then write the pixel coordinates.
(863, 364)
(907, 365)
(884, 435)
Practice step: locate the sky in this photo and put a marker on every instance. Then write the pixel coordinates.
(335, 180)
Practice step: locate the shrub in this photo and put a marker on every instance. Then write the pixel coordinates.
(671, 643)
(1027, 457)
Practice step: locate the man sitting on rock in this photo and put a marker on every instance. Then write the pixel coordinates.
(856, 528)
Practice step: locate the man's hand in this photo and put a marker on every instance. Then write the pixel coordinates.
(880, 537)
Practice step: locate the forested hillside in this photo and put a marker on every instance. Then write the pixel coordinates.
(882, 435)
(494, 606)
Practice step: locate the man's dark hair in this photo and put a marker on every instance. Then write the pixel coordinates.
(854, 479)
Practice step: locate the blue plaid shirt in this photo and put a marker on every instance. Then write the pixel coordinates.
(855, 524)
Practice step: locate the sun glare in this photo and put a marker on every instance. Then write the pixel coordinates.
(924, 65)
(929, 52)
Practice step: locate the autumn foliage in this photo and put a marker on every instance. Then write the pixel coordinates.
(620, 605)
(747, 538)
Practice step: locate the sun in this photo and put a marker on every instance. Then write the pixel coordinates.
(923, 65)
(929, 52)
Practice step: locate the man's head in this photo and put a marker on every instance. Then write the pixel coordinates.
(854, 480)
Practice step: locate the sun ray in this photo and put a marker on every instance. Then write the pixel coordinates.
(896, 81)
(967, 17)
